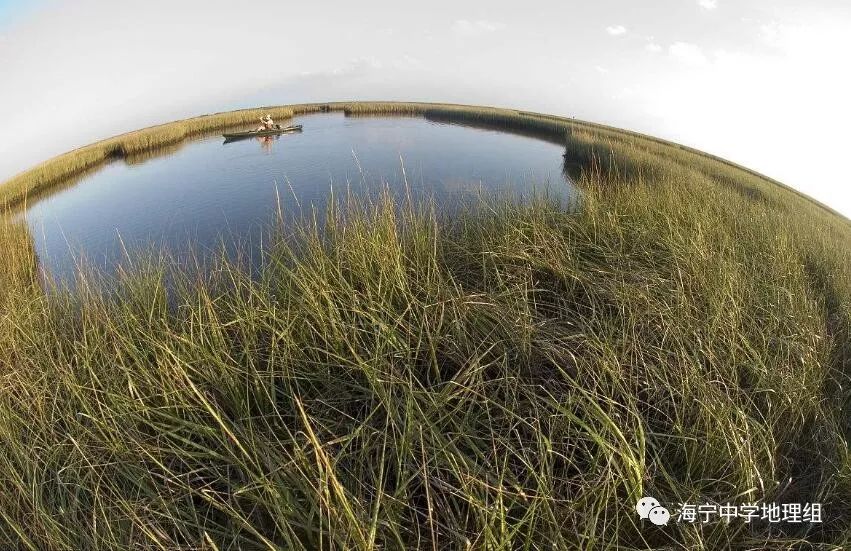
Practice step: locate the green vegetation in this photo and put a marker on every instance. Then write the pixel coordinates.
(515, 376)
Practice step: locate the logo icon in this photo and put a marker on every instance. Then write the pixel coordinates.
(649, 508)
(659, 516)
(644, 505)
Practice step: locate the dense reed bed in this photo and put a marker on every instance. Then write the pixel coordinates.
(512, 376)
(18, 263)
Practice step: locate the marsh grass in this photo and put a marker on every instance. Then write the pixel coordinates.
(18, 262)
(514, 375)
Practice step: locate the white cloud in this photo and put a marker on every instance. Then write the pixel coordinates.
(770, 33)
(359, 65)
(653, 47)
(690, 54)
(708, 4)
(465, 27)
(616, 30)
(410, 62)
(627, 93)
(601, 70)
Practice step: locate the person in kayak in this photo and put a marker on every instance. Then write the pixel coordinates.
(268, 123)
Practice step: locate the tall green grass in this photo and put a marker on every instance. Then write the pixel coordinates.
(514, 376)
(18, 263)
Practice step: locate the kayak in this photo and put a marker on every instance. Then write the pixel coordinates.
(270, 132)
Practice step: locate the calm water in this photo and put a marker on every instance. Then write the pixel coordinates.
(207, 192)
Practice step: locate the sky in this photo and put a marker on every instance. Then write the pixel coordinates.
(765, 84)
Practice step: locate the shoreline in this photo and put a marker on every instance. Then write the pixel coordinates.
(19, 189)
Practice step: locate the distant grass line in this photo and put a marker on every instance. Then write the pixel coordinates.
(614, 131)
(583, 139)
(618, 133)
